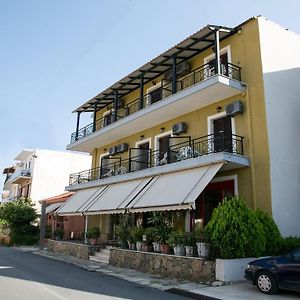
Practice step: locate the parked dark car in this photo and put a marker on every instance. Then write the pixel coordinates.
(273, 273)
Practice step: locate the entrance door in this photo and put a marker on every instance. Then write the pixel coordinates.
(222, 137)
(210, 198)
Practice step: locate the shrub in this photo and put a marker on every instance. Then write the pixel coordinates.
(25, 235)
(271, 233)
(59, 233)
(150, 233)
(289, 243)
(189, 239)
(136, 234)
(93, 233)
(48, 231)
(176, 238)
(235, 231)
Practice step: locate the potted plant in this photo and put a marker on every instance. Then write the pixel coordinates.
(176, 239)
(137, 234)
(189, 243)
(156, 220)
(122, 230)
(122, 235)
(59, 234)
(93, 235)
(203, 247)
(162, 234)
(131, 239)
(148, 238)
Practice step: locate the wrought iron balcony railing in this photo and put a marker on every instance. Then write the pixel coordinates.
(140, 159)
(204, 72)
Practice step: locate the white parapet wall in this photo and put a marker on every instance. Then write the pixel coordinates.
(231, 269)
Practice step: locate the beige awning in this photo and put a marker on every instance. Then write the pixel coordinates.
(116, 197)
(174, 191)
(77, 203)
(52, 207)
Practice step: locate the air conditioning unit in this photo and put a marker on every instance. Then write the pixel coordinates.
(123, 148)
(234, 108)
(113, 150)
(179, 128)
(181, 70)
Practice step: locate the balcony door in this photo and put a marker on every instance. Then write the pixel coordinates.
(162, 145)
(140, 156)
(222, 135)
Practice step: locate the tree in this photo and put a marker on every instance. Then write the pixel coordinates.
(235, 230)
(20, 215)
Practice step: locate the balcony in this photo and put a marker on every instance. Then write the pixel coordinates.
(183, 148)
(19, 176)
(197, 89)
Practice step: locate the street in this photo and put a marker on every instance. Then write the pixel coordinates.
(26, 276)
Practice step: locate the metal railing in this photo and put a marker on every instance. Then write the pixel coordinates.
(197, 75)
(140, 159)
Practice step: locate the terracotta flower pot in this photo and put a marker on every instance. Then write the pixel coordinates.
(165, 248)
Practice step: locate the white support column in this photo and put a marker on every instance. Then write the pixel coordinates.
(217, 52)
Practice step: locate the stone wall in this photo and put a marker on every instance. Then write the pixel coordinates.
(179, 267)
(68, 248)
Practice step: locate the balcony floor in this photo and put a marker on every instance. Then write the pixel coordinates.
(202, 94)
(231, 161)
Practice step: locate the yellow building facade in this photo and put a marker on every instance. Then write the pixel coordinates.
(180, 133)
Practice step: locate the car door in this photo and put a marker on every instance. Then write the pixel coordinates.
(289, 271)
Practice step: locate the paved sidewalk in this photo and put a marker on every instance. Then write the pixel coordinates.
(216, 290)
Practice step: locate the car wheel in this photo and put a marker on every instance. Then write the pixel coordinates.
(266, 283)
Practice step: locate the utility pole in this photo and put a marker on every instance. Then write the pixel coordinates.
(42, 225)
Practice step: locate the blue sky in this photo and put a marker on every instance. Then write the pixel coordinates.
(57, 54)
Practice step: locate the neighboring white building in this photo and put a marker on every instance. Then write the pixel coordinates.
(39, 174)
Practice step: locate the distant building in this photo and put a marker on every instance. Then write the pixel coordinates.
(39, 174)
(73, 226)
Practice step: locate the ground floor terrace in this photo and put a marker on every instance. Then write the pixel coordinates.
(160, 202)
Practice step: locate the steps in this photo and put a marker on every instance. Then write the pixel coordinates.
(101, 256)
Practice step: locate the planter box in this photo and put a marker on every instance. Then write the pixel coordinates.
(231, 269)
(179, 267)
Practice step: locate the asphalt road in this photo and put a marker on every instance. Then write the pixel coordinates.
(26, 276)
